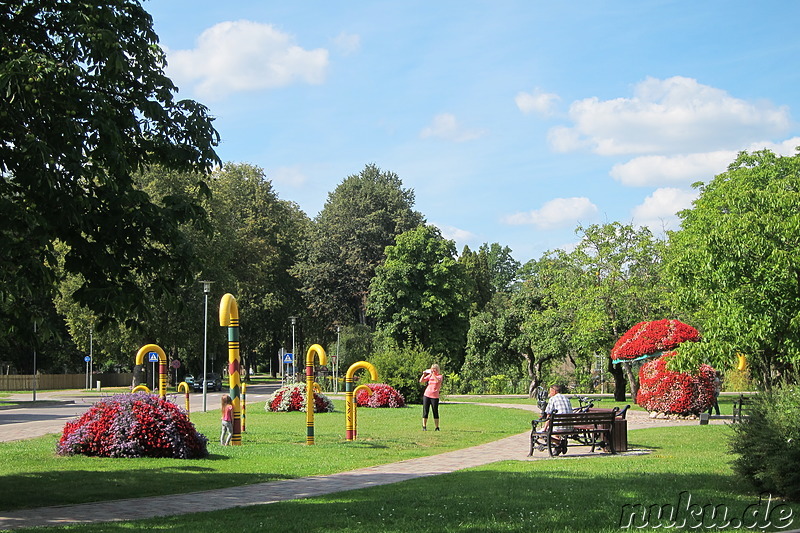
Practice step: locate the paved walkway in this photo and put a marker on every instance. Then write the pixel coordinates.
(509, 448)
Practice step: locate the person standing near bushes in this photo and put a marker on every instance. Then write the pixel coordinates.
(430, 398)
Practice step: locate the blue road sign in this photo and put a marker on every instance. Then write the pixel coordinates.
(152, 357)
(288, 358)
(87, 358)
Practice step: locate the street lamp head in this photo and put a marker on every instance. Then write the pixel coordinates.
(206, 286)
(293, 319)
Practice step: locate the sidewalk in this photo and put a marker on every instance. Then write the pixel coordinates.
(510, 448)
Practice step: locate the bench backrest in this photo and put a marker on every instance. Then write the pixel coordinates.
(581, 419)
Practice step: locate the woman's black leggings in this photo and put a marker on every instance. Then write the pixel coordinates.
(430, 402)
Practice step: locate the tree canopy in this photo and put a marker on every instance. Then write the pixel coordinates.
(418, 296)
(361, 217)
(85, 106)
(736, 263)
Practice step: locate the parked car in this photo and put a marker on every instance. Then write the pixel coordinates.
(189, 379)
(214, 383)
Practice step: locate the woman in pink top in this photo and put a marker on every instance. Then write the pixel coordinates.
(227, 420)
(430, 399)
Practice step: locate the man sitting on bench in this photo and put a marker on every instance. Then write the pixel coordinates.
(558, 403)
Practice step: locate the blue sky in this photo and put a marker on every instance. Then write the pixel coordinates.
(513, 121)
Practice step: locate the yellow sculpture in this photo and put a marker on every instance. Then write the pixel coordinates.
(348, 395)
(323, 360)
(229, 317)
(162, 366)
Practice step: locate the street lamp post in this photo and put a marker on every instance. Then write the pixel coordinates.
(206, 291)
(294, 351)
(336, 362)
(34, 360)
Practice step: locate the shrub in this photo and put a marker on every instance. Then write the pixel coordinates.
(767, 444)
(133, 425)
(292, 397)
(383, 395)
(401, 368)
(667, 391)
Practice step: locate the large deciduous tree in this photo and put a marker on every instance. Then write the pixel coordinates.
(736, 262)
(85, 105)
(418, 295)
(360, 219)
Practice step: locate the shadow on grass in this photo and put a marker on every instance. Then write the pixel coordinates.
(505, 499)
(133, 483)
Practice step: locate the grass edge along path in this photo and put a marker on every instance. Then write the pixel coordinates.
(273, 449)
(685, 468)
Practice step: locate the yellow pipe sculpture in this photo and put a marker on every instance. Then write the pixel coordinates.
(355, 407)
(323, 360)
(185, 386)
(348, 394)
(162, 366)
(141, 388)
(229, 317)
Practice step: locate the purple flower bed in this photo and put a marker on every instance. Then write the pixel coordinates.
(133, 425)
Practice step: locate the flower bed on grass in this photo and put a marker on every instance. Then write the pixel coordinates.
(666, 391)
(133, 425)
(293, 398)
(383, 395)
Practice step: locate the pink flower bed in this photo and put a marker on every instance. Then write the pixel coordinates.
(293, 398)
(133, 425)
(382, 396)
(666, 391)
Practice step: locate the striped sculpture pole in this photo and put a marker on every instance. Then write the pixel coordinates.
(244, 407)
(185, 386)
(162, 366)
(323, 360)
(348, 395)
(355, 407)
(229, 317)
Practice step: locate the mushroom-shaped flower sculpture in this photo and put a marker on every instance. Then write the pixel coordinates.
(662, 390)
(652, 339)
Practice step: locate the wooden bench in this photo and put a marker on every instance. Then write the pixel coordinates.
(741, 411)
(588, 429)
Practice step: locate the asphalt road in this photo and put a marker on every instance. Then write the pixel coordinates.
(54, 409)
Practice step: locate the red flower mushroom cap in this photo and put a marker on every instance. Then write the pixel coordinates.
(649, 339)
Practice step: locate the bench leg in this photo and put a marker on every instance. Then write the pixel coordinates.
(556, 447)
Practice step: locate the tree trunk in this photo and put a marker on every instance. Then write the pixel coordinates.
(634, 383)
(619, 381)
(532, 374)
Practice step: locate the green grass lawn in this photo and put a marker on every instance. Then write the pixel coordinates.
(273, 448)
(687, 466)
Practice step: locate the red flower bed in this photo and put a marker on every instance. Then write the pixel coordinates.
(382, 396)
(133, 425)
(293, 398)
(646, 338)
(667, 391)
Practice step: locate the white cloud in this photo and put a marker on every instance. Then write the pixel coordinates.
(460, 236)
(658, 211)
(657, 170)
(291, 176)
(245, 56)
(347, 43)
(559, 212)
(446, 126)
(675, 115)
(537, 102)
